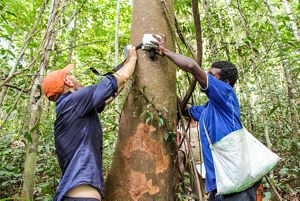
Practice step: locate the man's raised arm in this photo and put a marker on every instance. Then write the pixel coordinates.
(185, 63)
(123, 74)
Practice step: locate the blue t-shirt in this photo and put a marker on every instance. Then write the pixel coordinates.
(221, 116)
(78, 136)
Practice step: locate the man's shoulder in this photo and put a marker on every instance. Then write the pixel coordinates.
(212, 81)
(73, 97)
(65, 105)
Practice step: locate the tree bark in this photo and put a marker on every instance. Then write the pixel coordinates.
(143, 167)
(36, 104)
(288, 11)
(199, 184)
(72, 42)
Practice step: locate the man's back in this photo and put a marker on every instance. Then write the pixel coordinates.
(78, 137)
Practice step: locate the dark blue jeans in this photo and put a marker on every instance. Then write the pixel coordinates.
(79, 199)
(249, 194)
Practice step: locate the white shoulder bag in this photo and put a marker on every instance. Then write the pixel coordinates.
(240, 160)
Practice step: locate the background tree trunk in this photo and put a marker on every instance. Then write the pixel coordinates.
(293, 23)
(72, 43)
(36, 103)
(143, 166)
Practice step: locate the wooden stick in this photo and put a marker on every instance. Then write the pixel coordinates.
(274, 188)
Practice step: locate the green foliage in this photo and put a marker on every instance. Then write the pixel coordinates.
(266, 59)
(170, 136)
(94, 41)
(110, 127)
(185, 190)
(241, 31)
(12, 155)
(149, 115)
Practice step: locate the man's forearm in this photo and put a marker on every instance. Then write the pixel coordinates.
(183, 62)
(187, 64)
(126, 71)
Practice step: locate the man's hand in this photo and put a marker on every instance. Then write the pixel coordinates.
(183, 62)
(127, 70)
(131, 53)
(161, 43)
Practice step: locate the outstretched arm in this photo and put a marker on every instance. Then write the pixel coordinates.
(123, 74)
(185, 63)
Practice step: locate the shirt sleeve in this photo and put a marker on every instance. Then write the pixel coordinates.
(94, 97)
(195, 112)
(101, 107)
(218, 92)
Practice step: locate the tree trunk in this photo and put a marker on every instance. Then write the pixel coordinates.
(143, 166)
(288, 11)
(36, 104)
(200, 183)
(289, 75)
(73, 39)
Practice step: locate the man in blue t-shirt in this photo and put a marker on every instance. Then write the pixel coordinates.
(221, 114)
(77, 130)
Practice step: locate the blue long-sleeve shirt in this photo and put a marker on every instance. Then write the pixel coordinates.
(221, 116)
(78, 136)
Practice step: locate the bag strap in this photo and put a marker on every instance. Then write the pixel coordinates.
(206, 133)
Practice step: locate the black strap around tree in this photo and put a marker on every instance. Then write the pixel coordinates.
(115, 69)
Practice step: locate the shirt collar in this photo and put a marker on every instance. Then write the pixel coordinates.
(61, 97)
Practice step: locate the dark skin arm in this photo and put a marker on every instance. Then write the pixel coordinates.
(184, 63)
